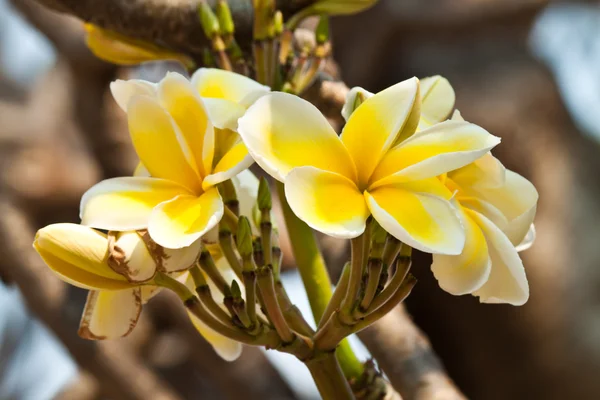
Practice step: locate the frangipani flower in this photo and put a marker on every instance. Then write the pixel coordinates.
(377, 166)
(175, 141)
(497, 207)
(112, 269)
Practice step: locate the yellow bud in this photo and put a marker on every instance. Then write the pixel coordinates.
(122, 50)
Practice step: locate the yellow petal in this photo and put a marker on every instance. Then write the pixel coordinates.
(141, 171)
(351, 99)
(378, 122)
(220, 84)
(507, 282)
(159, 143)
(233, 162)
(516, 199)
(485, 208)
(137, 264)
(283, 132)
(487, 171)
(468, 271)
(444, 147)
(223, 114)
(181, 101)
(124, 204)
(110, 314)
(326, 201)
(227, 349)
(180, 222)
(225, 139)
(77, 254)
(420, 215)
(123, 91)
(437, 100)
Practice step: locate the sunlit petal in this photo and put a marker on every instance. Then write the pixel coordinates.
(467, 272)
(283, 131)
(134, 260)
(507, 282)
(223, 114)
(124, 90)
(246, 187)
(180, 222)
(437, 100)
(110, 314)
(420, 215)
(124, 204)
(528, 240)
(487, 171)
(444, 147)
(381, 120)
(159, 143)
(181, 259)
(227, 349)
(220, 84)
(179, 98)
(233, 162)
(351, 100)
(77, 254)
(326, 201)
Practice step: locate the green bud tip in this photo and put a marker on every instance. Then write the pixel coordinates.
(208, 20)
(322, 31)
(264, 195)
(278, 23)
(358, 100)
(244, 237)
(225, 19)
(236, 291)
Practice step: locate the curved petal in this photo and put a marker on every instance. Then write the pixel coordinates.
(227, 349)
(420, 215)
(123, 91)
(356, 94)
(485, 208)
(110, 314)
(124, 204)
(233, 162)
(224, 114)
(283, 132)
(246, 186)
(180, 222)
(507, 282)
(326, 201)
(77, 254)
(487, 171)
(225, 139)
(220, 84)
(141, 171)
(181, 259)
(376, 124)
(469, 270)
(516, 199)
(528, 240)
(136, 263)
(444, 147)
(179, 98)
(159, 143)
(437, 100)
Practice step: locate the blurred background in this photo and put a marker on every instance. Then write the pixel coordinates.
(526, 70)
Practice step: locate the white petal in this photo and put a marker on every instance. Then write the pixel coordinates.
(124, 91)
(110, 314)
(348, 108)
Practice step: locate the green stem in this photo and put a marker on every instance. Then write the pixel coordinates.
(227, 247)
(249, 278)
(266, 285)
(209, 267)
(315, 278)
(329, 377)
(338, 295)
(355, 280)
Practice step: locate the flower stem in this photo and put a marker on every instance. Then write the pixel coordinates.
(328, 377)
(207, 264)
(267, 289)
(227, 247)
(355, 280)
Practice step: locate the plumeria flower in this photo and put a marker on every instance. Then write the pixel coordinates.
(497, 207)
(174, 137)
(113, 268)
(378, 166)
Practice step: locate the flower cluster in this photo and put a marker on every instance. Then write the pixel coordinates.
(429, 182)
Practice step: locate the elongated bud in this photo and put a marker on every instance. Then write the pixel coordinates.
(322, 31)
(244, 237)
(208, 20)
(236, 291)
(264, 199)
(225, 19)
(278, 23)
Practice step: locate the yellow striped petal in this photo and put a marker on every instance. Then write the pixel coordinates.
(378, 122)
(437, 100)
(123, 91)
(233, 162)
(221, 84)
(326, 201)
(468, 271)
(180, 222)
(283, 132)
(110, 314)
(77, 254)
(159, 143)
(444, 147)
(419, 214)
(181, 101)
(125, 204)
(507, 282)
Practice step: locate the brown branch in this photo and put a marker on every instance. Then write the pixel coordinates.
(406, 356)
(120, 374)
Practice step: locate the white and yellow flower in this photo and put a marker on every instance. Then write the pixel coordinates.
(172, 131)
(378, 166)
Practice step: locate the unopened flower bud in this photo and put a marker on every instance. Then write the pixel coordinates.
(244, 237)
